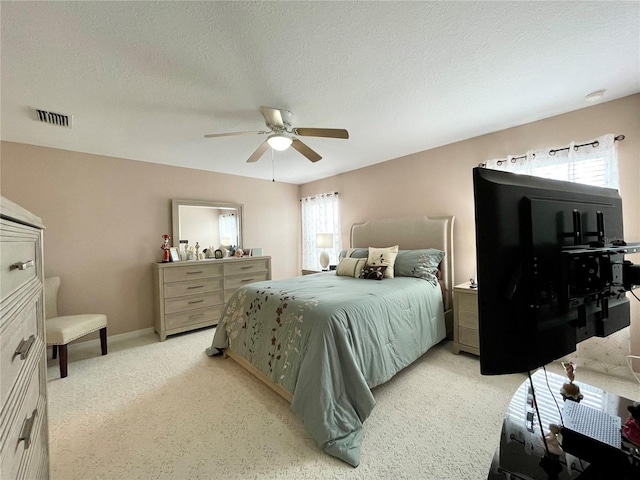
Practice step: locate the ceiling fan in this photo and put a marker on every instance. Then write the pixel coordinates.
(282, 134)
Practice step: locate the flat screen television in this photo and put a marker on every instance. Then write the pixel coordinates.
(551, 268)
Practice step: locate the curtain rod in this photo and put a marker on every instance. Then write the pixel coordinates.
(316, 196)
(553, 151)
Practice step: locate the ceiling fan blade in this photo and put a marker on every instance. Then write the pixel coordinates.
(273, 116)
(322, 132)
(230, 134)
(255, 156)
(305, 150)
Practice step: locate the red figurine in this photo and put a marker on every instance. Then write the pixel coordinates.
(165, 246)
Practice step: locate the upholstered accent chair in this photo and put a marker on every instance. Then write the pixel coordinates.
(62, 330)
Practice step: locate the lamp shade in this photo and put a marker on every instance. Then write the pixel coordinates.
(279, 142)
(324, 240)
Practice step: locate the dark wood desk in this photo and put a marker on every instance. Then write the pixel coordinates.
(521, 447)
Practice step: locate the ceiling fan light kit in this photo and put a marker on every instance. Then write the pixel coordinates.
(282, 134)
(279, 142)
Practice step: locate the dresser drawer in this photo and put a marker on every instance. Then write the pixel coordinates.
(233, 283)
(194, 317)
(242, 267)
(191, 272)
(19, 252)
(192, 287)
(21, 332)
(180, 304)
(467, 302)
(25, 424)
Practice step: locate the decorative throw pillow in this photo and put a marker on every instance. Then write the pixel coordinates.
(354, 253)
(421, 263)
(350, 267)
(372, 272)
(386, 257)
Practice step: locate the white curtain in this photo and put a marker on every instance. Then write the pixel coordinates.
(594, 162)
(320, 214)
(228, 226)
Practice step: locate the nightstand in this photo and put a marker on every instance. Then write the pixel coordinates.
(309, 272)
(465, 319)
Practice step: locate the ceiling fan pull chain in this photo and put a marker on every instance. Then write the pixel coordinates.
(273, 168)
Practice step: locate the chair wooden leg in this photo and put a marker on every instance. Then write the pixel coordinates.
(54, 352)
(63, 361)
(103, 340)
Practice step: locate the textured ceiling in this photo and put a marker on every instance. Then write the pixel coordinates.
(146, 80)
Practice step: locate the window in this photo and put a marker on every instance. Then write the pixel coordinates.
(228, 226)
(594, 163)
(320, 214)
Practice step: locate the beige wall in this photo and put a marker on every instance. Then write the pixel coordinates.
(439, 182)
(105, 216)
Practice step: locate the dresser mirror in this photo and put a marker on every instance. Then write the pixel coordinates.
(210, 224)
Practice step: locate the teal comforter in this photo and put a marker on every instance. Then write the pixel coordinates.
(328, 340)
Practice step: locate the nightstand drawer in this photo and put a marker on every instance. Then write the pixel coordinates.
(468, 319)
(468, 336)
(467, 302)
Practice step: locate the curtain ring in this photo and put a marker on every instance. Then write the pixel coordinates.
(513, 160)
(552, 152)
(500, 162)
(595, 144)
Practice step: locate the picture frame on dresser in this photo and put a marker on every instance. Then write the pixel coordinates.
(175, 256)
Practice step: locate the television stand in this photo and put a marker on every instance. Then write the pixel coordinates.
(521, 452)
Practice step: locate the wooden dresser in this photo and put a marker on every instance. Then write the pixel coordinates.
(24, 437)
(192, 294)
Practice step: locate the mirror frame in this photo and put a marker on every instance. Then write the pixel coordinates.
(176, 203)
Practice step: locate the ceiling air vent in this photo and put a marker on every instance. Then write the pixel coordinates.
(58, 119)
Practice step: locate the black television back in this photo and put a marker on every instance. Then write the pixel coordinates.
(550, 268)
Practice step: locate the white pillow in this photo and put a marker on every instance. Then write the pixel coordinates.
(383, 257)
(350, 267)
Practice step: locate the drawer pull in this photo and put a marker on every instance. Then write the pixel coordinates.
(192, 317)
(192, 273)
(247, 266)
(196, 301)
(24, 348)
(22, 265)
(27, 427)
(248, 280)
(196, 286)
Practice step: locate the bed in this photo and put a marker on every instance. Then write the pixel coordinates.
(323, 341)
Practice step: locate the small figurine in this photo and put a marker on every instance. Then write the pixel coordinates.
(570, 390)
(197, 251)
(552, 439)
(165, 246)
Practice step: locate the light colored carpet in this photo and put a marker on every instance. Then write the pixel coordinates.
(152, 410)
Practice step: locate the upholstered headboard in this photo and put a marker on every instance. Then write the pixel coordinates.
(411, 233)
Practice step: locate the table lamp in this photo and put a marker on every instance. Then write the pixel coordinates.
(324, 241)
